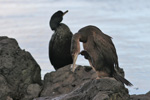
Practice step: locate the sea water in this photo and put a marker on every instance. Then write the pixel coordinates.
(126, 21)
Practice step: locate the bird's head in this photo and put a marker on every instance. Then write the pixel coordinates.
(75, 49)
(56, 18)
(85, 54)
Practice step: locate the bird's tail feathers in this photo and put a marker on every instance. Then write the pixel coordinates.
(122, 79)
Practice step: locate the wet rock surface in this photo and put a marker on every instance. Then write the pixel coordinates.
(18, 70)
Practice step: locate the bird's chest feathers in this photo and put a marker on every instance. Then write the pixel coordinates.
(60, 36)
(61, 41)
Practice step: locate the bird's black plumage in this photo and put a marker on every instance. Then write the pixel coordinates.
(59, 45)
(99, 50)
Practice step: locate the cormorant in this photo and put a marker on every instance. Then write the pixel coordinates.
(99, 50)
(60, 43)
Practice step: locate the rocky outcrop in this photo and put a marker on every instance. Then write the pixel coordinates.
(19, 72)
(64, 80)
(141, 97)
(20, 79)
(63, 84)
(101, 89)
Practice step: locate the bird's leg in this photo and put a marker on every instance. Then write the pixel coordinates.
(92, 66)
(97, 77)
(94, 70)
(73, 67)
(97, 72)
(101, 74)
(74, 62)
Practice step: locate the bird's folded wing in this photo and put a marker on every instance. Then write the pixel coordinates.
(105, 47)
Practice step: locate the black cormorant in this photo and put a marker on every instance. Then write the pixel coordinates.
(60, 43)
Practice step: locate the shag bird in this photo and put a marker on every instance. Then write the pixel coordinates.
(60, 43)
(99, 50)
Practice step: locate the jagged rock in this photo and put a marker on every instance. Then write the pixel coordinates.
(18, 70)
(4, 88)
(141, 97)
(64, 80)
(33, 91)
(101, 89)
(20, 79)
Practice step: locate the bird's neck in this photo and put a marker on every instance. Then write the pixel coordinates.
(77, 36)
(76, 42)
(81, 37)
(54, 26)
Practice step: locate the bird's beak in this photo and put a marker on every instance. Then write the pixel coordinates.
(74, 62)
(65, 12)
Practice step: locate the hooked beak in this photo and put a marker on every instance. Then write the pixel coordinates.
(74, 62)
(65, 12)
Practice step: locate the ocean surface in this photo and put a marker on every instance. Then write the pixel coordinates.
(127, 21)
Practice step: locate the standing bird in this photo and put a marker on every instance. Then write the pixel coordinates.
(99, 50)
(60, 43)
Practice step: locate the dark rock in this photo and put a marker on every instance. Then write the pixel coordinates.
(20, 79)
(18, 70)
(4, 88)
(64, 80)
(102, 89)
(141, 97)
(33, 91)
(58, 85)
